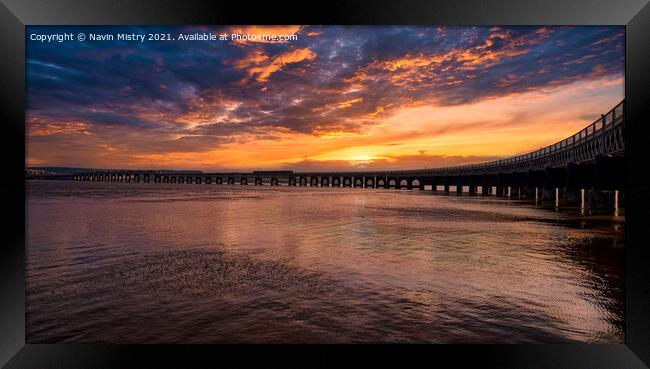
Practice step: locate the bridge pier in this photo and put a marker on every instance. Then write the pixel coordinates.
(485, 190)
(472, 189)
(421, 184)
(398, 183)
(482, 181)
(602, 201)
(607, 194)
(409, 183)
(474, 182)
(547, 194)
(519, 180)
(554, 185)
(370, 182)
(515, 192)
(462, 182)
(528, 192)
(499, 191)
(579, 177)
(501, 184)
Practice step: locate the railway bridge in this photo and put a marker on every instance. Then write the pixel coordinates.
(587, 167)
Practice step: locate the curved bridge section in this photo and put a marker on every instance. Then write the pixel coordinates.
(588, 167)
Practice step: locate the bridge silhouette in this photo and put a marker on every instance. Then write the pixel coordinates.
(590, 163)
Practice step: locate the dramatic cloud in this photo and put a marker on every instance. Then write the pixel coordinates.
(336, 97)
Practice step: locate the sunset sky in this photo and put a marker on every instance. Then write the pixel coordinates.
(337, 98)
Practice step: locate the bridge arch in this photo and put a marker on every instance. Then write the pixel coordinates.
(274, 181)
(258, 181)
(336, 182)
(324, 182)
(313, 182)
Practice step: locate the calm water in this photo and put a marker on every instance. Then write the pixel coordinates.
(134, 263)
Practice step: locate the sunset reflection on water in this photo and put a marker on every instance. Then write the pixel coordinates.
(127, 262)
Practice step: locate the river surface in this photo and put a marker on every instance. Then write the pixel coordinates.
(166, 263)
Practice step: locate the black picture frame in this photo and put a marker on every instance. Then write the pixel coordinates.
(15, 14)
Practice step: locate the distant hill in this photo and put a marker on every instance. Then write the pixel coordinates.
(58, 170)
(49, 172)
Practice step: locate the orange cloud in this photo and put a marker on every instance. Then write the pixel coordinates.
(40, 128)
(208, 109)
(263, 66)
(341, 105)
